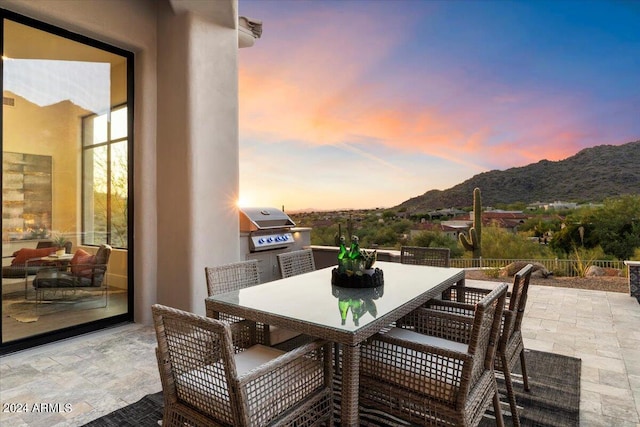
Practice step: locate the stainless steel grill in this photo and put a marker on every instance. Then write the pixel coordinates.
(267, 228)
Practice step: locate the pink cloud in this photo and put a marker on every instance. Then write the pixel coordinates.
(312, 85)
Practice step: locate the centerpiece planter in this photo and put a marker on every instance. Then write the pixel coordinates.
(355, 267)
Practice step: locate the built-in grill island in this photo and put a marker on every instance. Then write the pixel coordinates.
(267, 232)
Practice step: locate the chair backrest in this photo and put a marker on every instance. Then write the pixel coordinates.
(518, 298)
(484, 334)
(296, 262)
(231, 277)
(101, 263)
(44, 244)
(103, 254)
(418, 255)
(196, 362)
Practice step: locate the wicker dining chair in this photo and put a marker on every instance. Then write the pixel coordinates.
(510, 345)
(211, 376)
(296, 262)
(235, 276)
(418, 255)
(440, 372)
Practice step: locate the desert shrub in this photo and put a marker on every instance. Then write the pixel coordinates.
(584, 258)
(493, 273)
(499, 243)
(436, 239)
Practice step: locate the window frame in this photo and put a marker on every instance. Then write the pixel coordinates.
(128, 316)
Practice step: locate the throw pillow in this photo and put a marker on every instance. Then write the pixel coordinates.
(82, 263)
(25, 254)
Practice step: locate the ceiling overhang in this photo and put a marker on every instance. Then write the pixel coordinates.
(224, 13)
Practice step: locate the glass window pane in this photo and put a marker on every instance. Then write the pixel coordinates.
(65, 169)
(99, 125)
(119, 123)
(119, 194)
(95, 196)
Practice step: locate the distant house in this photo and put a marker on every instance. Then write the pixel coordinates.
(551, 206)
(560, 205)
(509, 220)
(446, 213)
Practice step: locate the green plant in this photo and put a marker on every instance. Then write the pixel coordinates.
(437, 239)
(474, 241)
(493, 273)
(559, 272)
(584, 259)
(59, 240)
(499, 243)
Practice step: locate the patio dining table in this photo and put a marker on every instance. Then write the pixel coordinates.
(310, 304)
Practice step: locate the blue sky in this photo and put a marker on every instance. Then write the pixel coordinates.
(362, 104)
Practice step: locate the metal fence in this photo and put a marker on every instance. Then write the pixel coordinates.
(559, 267)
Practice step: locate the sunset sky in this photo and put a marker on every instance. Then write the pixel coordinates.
(363, 104)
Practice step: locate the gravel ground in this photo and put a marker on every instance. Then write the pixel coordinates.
(610, 284)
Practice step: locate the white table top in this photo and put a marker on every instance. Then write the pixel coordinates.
(310, 304)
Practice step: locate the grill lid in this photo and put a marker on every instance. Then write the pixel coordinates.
(252, 219)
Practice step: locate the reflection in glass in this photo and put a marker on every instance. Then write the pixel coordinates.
(358, 301)
(65, 143)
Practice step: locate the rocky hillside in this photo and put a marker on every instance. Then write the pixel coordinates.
(592, 175)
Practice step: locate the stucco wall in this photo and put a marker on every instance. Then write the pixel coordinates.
(197, 155)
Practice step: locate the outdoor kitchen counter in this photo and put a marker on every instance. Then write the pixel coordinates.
(308, 303)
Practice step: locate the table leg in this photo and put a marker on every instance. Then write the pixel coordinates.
(350, 382)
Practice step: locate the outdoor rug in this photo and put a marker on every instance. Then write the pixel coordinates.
(554, 399)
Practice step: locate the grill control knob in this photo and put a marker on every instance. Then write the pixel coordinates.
(269, 239)
(261, 240)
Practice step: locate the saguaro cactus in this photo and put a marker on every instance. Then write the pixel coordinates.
(473, 242)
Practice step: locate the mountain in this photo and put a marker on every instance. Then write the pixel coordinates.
(590, 176)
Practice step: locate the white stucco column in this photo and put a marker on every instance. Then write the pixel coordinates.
(197, 152)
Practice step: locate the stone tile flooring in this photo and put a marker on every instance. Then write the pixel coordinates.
(602, 329)
(75, 381)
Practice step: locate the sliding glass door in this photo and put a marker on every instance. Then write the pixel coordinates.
(66, 180)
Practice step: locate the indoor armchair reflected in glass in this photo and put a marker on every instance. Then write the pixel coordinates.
(357, 301)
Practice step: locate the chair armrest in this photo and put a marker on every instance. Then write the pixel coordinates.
(450, 307)
(289, 358)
